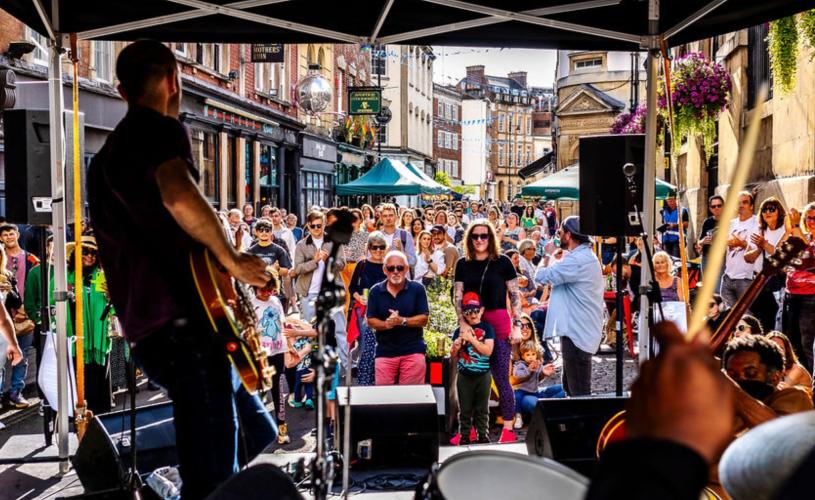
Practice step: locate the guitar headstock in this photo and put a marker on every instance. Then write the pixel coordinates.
(787, 257)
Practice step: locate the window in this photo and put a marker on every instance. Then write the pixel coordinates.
(501, 125)
(232, 169)
(440, 141)
(448, 140)
(379, 61)
(501, 153)
(454, 115)
(180, 49)
(454, 141)
(758, 68)
(269, 79)
(528, 124)
(40, 54)
(103, 60)
(205, 150)
(269, 183)
(340, 89)
(595, 62)
(439, 109)
(248, 178)
(382, 134)
(317, 189)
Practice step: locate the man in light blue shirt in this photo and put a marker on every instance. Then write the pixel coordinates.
(575, 306)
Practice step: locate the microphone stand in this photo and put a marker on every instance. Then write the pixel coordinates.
(652, 290)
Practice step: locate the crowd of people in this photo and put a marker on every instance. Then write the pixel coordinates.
(527, 287)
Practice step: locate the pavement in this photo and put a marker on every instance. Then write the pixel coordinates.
(23, 438)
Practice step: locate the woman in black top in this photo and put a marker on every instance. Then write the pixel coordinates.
(492, 276)
(368, 273)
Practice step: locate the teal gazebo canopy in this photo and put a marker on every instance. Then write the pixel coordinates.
(392, 178)
(565, 185)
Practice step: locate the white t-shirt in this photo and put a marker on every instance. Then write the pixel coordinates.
(735, 266)
(773, 236)
(317, 277)
(270, 324)
(287, 236)
(389, 238)
(422, 267)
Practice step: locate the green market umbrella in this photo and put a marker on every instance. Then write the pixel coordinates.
(565, 185)
(422, 175)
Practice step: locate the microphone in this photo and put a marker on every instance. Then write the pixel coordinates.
(629, 170)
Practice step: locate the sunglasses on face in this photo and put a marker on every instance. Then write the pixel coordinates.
(315, 226)
(526, 326)
(263, 230)
(470, 312)
(395, 269)
(480, 236)
(716, 206)
(377, 248)
(88, 251)
(743, 328)
(810, 218)
(770, 208)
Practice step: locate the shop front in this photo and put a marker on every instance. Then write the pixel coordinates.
(317, 163)
(242, 154)
(352, 164)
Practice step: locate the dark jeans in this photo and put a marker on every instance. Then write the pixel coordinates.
(798, 323)
(576, 369)
(672, 247)
(209, 404)
(473, 403)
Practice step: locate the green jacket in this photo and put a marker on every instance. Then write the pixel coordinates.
(97, 343)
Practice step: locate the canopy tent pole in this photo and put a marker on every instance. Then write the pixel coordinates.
(57, 138)
(649, 175)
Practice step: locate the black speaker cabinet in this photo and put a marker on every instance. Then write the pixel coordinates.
(566, 430)
(28, 165)
(103, 456)
(606, 206)
(391, 425)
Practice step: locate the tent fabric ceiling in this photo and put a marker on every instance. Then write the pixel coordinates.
(359, 19)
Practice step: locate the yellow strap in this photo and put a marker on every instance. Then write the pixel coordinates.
(78, 287)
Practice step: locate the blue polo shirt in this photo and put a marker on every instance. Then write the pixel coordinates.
(410, 301)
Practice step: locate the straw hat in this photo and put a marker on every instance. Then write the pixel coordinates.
(86, 242)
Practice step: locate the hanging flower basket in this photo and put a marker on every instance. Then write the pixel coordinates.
(783, 48)
(700, 90)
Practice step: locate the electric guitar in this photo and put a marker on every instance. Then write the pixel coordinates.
(786, 256)
(233, 319)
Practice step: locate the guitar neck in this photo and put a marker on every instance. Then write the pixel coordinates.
(722, 333)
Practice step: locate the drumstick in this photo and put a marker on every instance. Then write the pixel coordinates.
(717, 250)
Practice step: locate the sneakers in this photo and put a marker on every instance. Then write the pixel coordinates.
(473, 435)
(519, 421)
(295, 404)
(507, 436)
(309, 404)
(18, 401)
(283, 434)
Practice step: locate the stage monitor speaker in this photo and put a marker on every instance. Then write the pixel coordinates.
(28, 165)
(566, 430)
(606, 206)
(103, 457)
(391, 425)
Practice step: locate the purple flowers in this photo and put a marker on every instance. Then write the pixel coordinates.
(700, 87)
(630, 123)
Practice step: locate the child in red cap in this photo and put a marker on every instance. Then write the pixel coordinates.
(473, 353)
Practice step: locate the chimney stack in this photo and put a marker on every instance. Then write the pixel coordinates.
(519, 76)
(475, 74)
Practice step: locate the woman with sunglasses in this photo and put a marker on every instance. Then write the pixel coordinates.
(771, 231)
(492, 276)
(95, 324)
(367, 273)
(798, 320)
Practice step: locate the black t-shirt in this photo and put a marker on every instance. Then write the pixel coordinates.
(144, 252)
(519, 211)
(495, 273)
(271, 254)
(708, 227)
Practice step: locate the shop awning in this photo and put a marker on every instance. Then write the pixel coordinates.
(536, 166)
(392, 178)
(565, 185)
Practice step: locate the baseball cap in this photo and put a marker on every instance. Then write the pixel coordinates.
(470, 301)
(438, 227)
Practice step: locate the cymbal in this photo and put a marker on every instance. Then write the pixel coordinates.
(758, 463)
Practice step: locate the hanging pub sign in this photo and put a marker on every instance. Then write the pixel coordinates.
(267, 53)
(364, 100)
